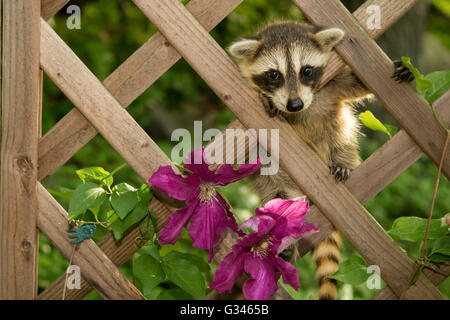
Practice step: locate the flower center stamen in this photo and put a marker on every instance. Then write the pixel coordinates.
(261, 248)
(207, 192)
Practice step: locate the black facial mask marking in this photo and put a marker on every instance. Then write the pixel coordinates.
(266, 83)
(312, 80)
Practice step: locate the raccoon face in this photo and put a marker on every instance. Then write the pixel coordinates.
(285, 62)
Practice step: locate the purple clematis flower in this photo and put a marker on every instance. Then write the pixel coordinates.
(279, 224)
(209, 213)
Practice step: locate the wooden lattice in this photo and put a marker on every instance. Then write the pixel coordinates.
(29, 43)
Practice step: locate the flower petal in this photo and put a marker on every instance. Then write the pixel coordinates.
(287, 237)
(290, 209)
(229, 270)
(207, 225)
(288, 271)
(260, 224)
(198, 164)
(177, 220)
(226, 173)
(264, 278)
(173, 184)
(231, 219)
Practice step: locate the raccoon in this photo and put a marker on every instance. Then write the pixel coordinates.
(284, 62)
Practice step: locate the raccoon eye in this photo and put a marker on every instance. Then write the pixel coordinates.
(307, 71)
(273, 75)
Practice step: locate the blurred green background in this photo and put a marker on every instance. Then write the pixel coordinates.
(111, 30)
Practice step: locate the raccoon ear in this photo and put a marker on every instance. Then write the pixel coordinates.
(243, 48)
(329, 38)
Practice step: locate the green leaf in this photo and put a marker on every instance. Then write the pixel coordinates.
(352, 271)
(201, 265)
(61, 192)
(418, 77)
(154, 293)
(443, 6)
(148, 226)
(185, 274)
(371, 122)
(439, 258)
(149, 272)
(135, 216)
(442, 246)
(88, 195)
(120, 226)
(104, 212)
(123, 199)
(95, 174)
(413, 229)
(440, 83)
(392, 129)
(175, 294)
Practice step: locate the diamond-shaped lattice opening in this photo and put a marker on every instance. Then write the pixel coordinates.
(51, 265)
(110, 31)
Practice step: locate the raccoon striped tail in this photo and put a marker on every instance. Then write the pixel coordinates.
(326, 256)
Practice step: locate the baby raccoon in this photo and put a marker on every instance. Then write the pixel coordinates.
(284, 62)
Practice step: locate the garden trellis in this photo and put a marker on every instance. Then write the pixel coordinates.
(30, 47)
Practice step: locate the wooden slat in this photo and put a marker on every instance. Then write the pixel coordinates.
(375, 69)
(50, 7)
(94, 265)
(118, 251)
(20, 134)
(391, 11)
(126, 83)
(98, 105)
(435, 277)
(310, 174)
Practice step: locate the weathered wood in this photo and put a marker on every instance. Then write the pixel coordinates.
(20, 134)
(98, 105)
(310, 174)
(391, 11)
(126, 83)
(118, 251)
(375, 69)
(50, 7)
(94, 265)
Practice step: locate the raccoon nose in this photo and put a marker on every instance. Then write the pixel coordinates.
(294, 105)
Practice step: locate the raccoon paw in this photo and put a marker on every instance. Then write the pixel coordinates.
(401, 72)
(341, 174)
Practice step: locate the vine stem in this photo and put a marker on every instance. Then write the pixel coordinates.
(67, 274)
(430, 214)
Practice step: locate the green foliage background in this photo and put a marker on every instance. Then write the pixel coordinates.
(111, 30)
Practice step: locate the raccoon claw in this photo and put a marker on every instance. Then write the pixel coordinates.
(401, 72)
(340, 174)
